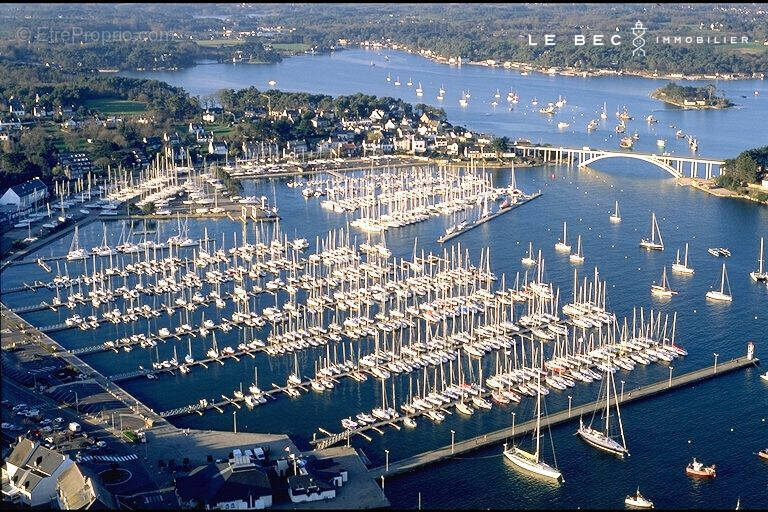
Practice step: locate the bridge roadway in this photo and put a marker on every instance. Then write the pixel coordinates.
(498, 437)
(674, 165)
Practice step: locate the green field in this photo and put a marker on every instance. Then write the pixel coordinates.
(291, 47)
(114, 106)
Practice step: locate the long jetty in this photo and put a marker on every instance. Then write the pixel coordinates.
(499, 436)
(479, 222)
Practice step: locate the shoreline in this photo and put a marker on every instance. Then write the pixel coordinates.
(561, 70)
(708, 187)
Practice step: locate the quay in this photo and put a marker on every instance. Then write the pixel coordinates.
(498, 437)
(501, 212)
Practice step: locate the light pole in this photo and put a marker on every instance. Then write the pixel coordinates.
(386, 464)
(669, 385)
(513, 428)
(569, 405)
(234, 419)
(622, 390)
(382, 482)
(715, 370)
(453, 433)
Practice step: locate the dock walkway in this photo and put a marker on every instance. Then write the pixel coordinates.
(498, 437)
(479, 222)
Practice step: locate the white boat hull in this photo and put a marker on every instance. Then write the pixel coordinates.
(538, 468)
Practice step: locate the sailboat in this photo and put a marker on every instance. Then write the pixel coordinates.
(760, 274)
(409, 82)
(463, 100)
(419, 90)
(528, 260)
(654, 244)
(75, 251)
(562, 245)
(397, 81)
(601, 439)
(683, 267)
(578, 256)
(615, 216)
(389, 77)
(721, 295)
(532, 461)
(604, 113)
(663, 289)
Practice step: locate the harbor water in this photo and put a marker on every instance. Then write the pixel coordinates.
(720, 421)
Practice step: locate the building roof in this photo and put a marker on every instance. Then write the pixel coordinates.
(28, 187)
(80, 488)
(216, 483)
(35, 463)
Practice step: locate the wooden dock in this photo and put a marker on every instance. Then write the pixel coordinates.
(528, 199)
(498, 437)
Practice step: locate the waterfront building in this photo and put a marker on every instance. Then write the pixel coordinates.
(25, 195)
(31, 472)
(238, 484)
(80, 488)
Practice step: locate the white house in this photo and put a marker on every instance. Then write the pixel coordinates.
(32, 471)
(209, 117)
(217, 148)
(25, 195)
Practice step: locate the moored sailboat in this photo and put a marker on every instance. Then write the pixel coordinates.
(682, 267)
(663, 289)
(602, 439)
(615, 216)
(720, 294)
(655, 243)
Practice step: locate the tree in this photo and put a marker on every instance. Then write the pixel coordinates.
(499, 145)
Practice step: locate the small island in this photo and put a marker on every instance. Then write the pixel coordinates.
(691, 97)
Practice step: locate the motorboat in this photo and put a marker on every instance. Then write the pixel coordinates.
(638, 500)
(697, 469)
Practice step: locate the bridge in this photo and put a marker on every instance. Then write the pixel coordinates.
(677, 166)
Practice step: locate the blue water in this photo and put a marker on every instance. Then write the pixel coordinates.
(658, 430)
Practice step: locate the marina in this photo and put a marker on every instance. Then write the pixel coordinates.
(352, 315)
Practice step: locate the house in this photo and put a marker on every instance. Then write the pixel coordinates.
(81, 488)
(70, 124)
(42, 111)
(320, 123)
(317, 480)
(76, 165)
(297, 146)
(139, 158)
(418, 145)
(196, 129)
(32, 471)
(217, 148)
(152, 143)
(377, 115)
(290, 114)
(16, 108)
(26, 195)
(303, 488)
(61, 110)
(209, 117)
(453, 148)
(257, 111)
(237, 484)
(390, 125)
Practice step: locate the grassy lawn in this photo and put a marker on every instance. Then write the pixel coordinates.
(218, 42)
(114, 106)
(291, 47)
(219, 130)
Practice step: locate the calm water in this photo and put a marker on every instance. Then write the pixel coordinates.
(721, 133)
(662, 433)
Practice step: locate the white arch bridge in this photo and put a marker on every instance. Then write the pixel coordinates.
(677, 166)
